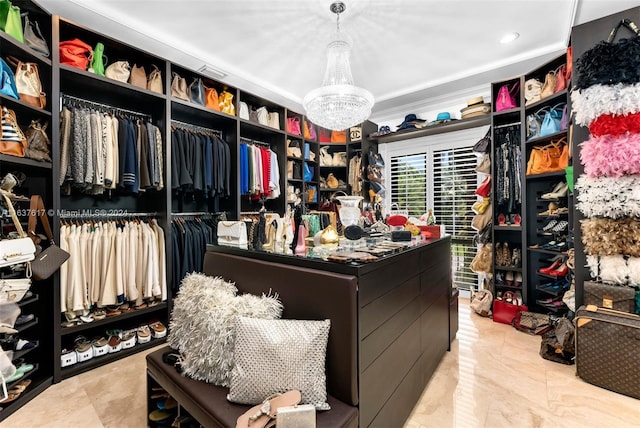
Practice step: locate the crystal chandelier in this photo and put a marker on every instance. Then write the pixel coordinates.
(338, 104)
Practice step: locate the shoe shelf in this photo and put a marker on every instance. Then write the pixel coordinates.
(94, 362)
(22, 353)
(509, 268)
(160, 307)
(27, 375)
(546, 175)
(27, 326)
(545, 275)
(508, 228)
(545, 251)
(38, 385)
(25, 302)
(509, 287)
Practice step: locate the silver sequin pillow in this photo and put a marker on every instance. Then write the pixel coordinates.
(275, 356)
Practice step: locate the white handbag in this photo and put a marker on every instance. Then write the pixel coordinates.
(481, 302)
(232, 234)
(119, 70)
(244, 111)
(274, 120)
(13, 290)
(19, 250)
(263, 116)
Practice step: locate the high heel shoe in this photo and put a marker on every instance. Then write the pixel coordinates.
(560, 271)
(560, 191)
(270, 232)
(556, 264)
(517, 281)
(509, 278)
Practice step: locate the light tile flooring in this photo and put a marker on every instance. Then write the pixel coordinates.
(493, 377)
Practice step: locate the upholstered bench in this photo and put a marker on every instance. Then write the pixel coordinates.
(305, 294)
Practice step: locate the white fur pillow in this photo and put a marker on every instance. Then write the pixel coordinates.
(202, 325)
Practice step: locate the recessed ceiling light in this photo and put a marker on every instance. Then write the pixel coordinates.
(509, 37)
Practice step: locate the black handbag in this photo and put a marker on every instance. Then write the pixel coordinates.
(484, 144)
(51, 258)
(33, 37)
(196, 91)
(611, 62)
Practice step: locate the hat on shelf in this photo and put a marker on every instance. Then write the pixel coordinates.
(475, 107)
(411, 121)
(442, 117)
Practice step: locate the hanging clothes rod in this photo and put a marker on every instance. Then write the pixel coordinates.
(110, 213)
(194, 127)
(506, 125)
(196, 213)
(254, 142)
(104, 106)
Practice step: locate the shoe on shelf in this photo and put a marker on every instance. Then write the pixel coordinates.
(23, 319)
(562, 270)
(516, 257)
(517, 219)
(100, 346)
(556, 264)
(144, 334)
(83, 348)
(552, 208)
(115, 343)
(561, 226)
(517, 280)
(158, 330)
(550, 225)
(559, 191)
(501, 220)
(506, 255)
(509, 278)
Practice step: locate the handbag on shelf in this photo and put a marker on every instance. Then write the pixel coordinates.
(49, 260)
(211, 99)
(484, 166)
(28, 83)
(75, 53)
(339, 136)
(485, 187)
(12, 140)
(293, 125)
(33, 37)
(119, 70)
(532, 323)
(154, 81)
(533, 126)
(243, 111)
(179, 87)
(98, 60)
(532, 89)
(306, 134)
(480, 220)
(550, 158)
(506, 98)
(262, 115)
(232, 234)
(10, 20)
(504, 311)
(37, 142)
(274, 120)
(324, 135)
(549, 85)
(484, 144)
(8, 84)
(226, 103)
(18, 250)
(196, 91)
(253, 115)
(561, 78)
(13, 290)
(138, 77)
(551, 121)
(610, 62)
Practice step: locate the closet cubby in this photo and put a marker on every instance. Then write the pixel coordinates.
(253, 103)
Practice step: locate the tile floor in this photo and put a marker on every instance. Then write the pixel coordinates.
(493, 377)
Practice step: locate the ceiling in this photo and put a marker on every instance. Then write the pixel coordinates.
(404, 51)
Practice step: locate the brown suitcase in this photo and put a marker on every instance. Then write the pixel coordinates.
(608, 349)
(616, 297)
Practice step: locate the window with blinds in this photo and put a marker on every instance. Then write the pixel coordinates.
(444, 179)
(454, 184)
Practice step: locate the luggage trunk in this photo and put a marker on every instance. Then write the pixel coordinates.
(608, 349)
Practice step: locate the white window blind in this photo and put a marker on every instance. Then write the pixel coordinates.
(438, 172)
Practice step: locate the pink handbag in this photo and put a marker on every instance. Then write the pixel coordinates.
(293, 125)
(507, 97)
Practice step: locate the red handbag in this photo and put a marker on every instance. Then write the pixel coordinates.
(485, 187)
(561, 78)
(293, 125)
(75, 53)
(504, 312)
(325, 135)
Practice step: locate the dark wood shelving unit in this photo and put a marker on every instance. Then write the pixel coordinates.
(65, 331)
(11, 46)
(24, 162)
(15, 104)
(538, 140)
(557, 97)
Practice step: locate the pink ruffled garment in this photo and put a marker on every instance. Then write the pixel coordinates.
(611, 155)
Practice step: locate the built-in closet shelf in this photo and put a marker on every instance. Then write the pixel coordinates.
(14, 104)
(20, 354)
(509, 287)
(549, 137)
(545, 251)
(312, 162)
(36, 388)
(27, 326)
(264, 128)
(188, 107)
(24, 161)
(548, 276)
(333, 167)
(558, 97)
(334, 144)
(546, 175)
(509, 268)
(293, 158)
(108, 358)
(337, 189)
(11, 46)
(65, 331)
(295, 180)
(28, 301)
(510, 112)
(84, 82)
(28, 375)
(508, 228)
(454, 125)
